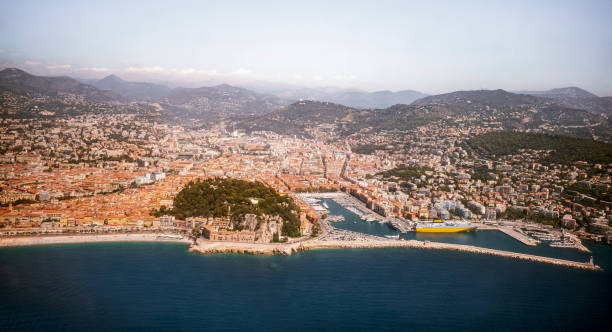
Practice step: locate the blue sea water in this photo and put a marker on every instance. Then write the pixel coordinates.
(162, 287)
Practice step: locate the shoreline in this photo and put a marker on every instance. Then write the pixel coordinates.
(93, 238)
(204, 246)
(210, 247)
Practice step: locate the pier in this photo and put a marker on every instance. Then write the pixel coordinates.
(525, 239)
(351, 240)
(400, 225)
(333, 238)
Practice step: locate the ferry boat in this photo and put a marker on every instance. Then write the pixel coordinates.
(439, 226)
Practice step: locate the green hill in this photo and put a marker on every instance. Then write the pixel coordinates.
(216, 197)
(564, 149)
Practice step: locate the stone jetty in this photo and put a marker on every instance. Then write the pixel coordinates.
(207, 247)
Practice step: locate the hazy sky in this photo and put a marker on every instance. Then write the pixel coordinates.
(431, 46)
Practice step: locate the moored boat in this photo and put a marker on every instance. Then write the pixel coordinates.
(439, 226)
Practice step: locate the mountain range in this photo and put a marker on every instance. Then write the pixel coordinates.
(131, 90)
(566, 110)
(574, 97)
(508, 110)
(58, 94)
(19, 82)
(349, 97)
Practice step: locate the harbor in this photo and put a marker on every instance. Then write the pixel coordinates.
(343, 224)
(352, 240)
(334, 238)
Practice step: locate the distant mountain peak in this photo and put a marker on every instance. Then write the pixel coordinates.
(12, 69)
(566, 92)
(12, 72)
(113, 77)
(571, 91)
(19, 82)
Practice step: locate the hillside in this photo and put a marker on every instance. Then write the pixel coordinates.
(574, 97)
(294, 119)
(23, 95)
(26, 95)
(132, 90)
(378, 99)
(511, 111)
(520, 111)
(563, 149)
(480, 98)
(349, 97)
(18, 82)
(219, 102)
(568, 92)
(339, 120)
(215, 197)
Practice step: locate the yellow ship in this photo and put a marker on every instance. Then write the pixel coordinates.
(439, 226)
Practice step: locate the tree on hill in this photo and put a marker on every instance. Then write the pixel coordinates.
(219, 197)
(563, 149)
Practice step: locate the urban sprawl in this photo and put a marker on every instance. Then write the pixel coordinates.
(100, 173)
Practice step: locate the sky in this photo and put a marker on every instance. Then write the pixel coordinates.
(429, 46)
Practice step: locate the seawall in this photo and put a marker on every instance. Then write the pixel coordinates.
(207, 247)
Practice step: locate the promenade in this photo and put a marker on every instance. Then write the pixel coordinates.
(67, 239)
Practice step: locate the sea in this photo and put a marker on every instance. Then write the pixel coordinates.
(162, 287)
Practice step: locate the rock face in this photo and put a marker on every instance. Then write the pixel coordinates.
(250, 222)
(208, 247)
(269, 226)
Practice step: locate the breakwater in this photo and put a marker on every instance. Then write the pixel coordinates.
(207, 247)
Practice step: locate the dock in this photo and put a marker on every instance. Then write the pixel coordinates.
(518, 236)
(400, 225)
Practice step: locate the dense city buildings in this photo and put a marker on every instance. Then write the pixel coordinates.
(107, 172)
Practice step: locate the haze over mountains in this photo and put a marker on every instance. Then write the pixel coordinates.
(499, 108)
(566, 110)
(349, 97)
(21, 83)
(133, 90)
(575, 97)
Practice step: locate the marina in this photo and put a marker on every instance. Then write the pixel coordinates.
(504, 236)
